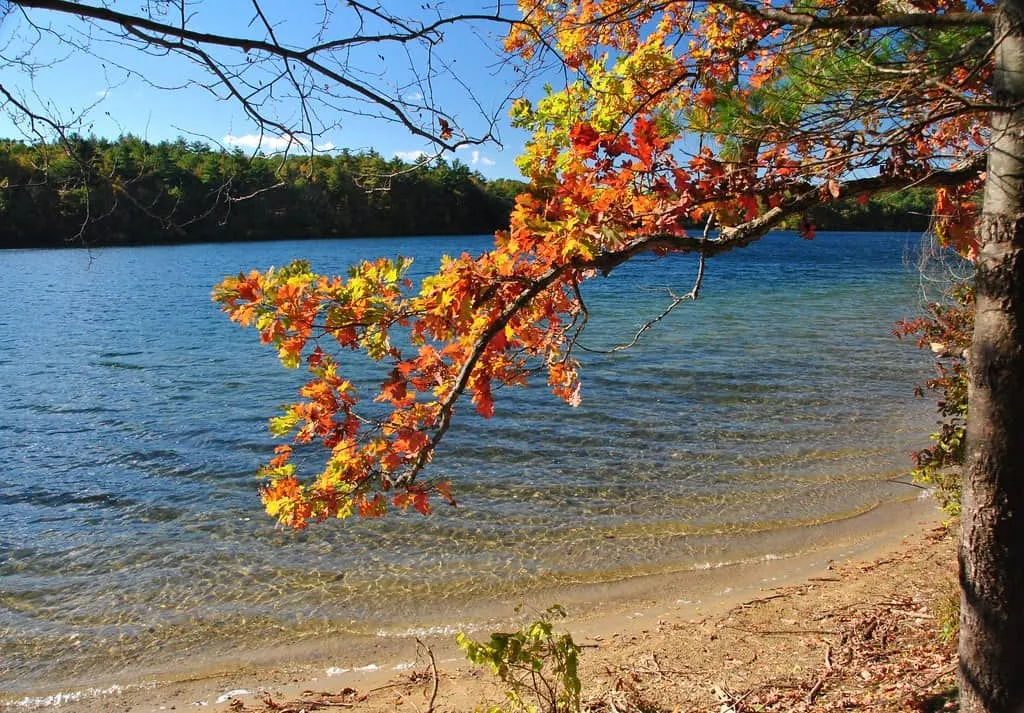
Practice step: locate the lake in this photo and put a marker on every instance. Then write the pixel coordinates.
(133, 417)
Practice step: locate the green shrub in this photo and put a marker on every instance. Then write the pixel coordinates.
(538, 667)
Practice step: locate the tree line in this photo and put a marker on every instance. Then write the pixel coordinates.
(909, 210)
(93, 191)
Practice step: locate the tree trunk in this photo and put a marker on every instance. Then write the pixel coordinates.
(992, 528)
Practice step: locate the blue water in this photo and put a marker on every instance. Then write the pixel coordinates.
(133, 416)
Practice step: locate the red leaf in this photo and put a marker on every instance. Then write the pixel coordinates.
(584, 139)
(750, 206)
(421, 502)
(806, 228)
(373, 508)
(483, 399)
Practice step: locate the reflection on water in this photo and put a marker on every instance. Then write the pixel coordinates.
(134, 417)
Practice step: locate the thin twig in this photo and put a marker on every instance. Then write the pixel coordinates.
(433, 675)
(815, 690)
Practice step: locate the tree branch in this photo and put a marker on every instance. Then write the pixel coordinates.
(899, 20)
(177, 38)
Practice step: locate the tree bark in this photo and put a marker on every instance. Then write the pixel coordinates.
(991, 551)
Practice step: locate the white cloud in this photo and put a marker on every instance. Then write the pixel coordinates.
(273, 143)
(103, 93)
(414, 97)
(411, 156)
(255, 141)
(477, 158)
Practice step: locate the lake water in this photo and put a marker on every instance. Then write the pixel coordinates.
(133, 416)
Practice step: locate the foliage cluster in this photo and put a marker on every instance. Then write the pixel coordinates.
(132, 192)
(727, 116)
(945, 329)
(538, 666)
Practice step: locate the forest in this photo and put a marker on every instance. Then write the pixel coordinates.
(92, 191)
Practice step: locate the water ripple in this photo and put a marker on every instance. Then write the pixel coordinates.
(133, 532)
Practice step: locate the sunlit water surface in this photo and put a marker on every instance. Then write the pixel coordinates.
(132, 418)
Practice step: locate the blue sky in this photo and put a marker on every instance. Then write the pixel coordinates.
(76, 73)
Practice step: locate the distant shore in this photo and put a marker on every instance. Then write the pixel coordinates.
(605, 616)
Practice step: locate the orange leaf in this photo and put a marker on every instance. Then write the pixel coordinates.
(444, 488)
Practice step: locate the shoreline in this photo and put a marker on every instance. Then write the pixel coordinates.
(246, 240)
(598, 612)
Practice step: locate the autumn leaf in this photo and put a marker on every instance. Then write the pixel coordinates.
(584, 139)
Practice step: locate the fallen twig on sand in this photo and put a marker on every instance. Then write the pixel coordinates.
(421, 647)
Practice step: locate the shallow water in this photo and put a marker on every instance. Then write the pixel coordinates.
(133, 417)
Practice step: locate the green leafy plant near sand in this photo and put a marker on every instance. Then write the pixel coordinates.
(538, 667)
(947, 614)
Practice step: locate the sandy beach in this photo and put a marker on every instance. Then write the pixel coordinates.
(771, 630)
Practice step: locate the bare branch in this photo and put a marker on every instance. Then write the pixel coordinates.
(318, 60)
(676, 300)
